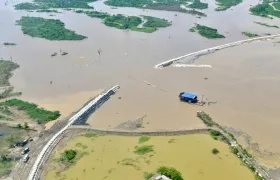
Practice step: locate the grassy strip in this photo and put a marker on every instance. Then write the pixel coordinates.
(207, 120)
(39, 114)
(206, 31)
(47, 28)
(226, 4)
(6, 67)
(264, 10)
(248, 34)
(197, 4)
(225, 136)
(48, 10)
(166, 5)
(267, 25)
(46, 4)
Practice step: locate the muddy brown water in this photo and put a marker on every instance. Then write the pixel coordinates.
(243, 80)
(113, 157)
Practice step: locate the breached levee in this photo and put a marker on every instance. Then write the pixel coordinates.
(55, 139)
(213, 49)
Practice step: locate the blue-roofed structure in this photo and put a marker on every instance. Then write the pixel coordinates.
(188, 97)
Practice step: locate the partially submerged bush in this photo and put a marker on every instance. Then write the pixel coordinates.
(170, 172)
(68, 155)
(143, 149)
(215, 151)
(143, 139)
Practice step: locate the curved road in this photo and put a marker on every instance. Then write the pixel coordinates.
(55, 139)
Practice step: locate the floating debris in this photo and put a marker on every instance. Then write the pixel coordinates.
(9, 44)
(64, 53)
(99, 51)
(53, 54)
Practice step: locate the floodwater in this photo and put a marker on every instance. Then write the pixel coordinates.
(243, 80)
(191, 155)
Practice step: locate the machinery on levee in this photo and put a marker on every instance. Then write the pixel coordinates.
(188, 97)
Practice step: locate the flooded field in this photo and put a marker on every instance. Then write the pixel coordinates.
(108, 156)
(240, 83)
(244, 80)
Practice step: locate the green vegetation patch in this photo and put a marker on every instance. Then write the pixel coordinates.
(226, 4)
(197, 4)
(143, 139)
(118, 21)
(6, 164)
(215, 151)
(132, 22)
(131, 162)
(276, 5)
(68, 155)
(46, 4)
(80, 145)
(264, 10)
(143, 149)
(94, 14)
(6, 67)
(29, 6)
(166, 5)
(5, 110)
(154, 22)
(244, 151)
(39, 114)
(122, 22)
(170, 172)
(48, 10)
(50, 29)
(207, 120)
(128, 22)
(215, 133)
(248, 34)
(267, 25)
(148, 176)
(91, 135)
(206, 31)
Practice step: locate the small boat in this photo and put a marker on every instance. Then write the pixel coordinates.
(54, 54)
